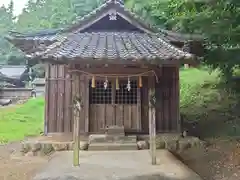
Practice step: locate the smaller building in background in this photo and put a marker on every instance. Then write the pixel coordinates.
(13, 76)
(13, 80)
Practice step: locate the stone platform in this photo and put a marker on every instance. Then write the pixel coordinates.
(116, 165)
(107, 142)
(44, 145)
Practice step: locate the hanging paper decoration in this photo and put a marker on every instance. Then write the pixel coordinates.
(105, 84)
(93, 82)
(129, 85)
(140, 81)
(117, 84)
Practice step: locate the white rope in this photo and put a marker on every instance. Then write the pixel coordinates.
(118, 75)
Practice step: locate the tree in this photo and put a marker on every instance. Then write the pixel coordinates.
(6, 23)
(217, 20)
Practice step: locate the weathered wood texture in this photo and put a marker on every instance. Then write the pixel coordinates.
(60, 88)
(58, 97)
(167, 100)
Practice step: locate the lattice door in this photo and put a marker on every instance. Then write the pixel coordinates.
(113, 106)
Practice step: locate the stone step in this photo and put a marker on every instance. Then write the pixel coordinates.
(112, 146)
(103, 138)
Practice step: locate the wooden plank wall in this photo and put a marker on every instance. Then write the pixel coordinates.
(61, 87)
(58, 108)
(167, 96)
(81, 89)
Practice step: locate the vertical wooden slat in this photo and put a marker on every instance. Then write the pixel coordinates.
(101, 117)
(61, 95)
(130, 118)
(126, 111)
(92, 118)
(67, 95)
(139, 112)
(119, 115)
(173, 100)
(54, 104)
(134, 116)
(86, 104)
(164, 98)
(168, 98)
(47, 94)
(81, 90)
(177, 93)
(144, 106)
(114, 120)
(109, 114)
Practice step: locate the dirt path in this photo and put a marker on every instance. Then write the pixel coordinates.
(13, 166)
(218, 161)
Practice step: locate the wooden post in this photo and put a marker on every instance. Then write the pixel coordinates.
(76, 141)
(152, 120)
(77, 105)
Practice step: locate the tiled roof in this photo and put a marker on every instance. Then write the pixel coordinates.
(113, 45)
(78, 42)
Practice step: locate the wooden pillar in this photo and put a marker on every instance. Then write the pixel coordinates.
(47, 94)
(76, 141)
(77, 107)
(152, 119)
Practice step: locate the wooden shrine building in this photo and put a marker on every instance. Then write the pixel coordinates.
(113, 65)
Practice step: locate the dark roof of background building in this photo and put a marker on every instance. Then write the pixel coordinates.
(11, 71)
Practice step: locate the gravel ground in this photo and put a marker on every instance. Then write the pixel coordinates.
(13, 166)
(219, 161)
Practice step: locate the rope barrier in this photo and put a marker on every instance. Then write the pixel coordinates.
(117, 75)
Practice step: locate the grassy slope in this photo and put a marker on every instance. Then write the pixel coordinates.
(201, 100)
(206, 100)
(21, 120)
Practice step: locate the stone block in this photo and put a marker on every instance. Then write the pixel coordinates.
(26, 147)
(83, 145)
(70, 146)
(172, 145)
(47, 148)
(115, 130)
(60, 146)
(112, 146)
(160, 144)
(143, 145)
(35, 147)
(183, 145)
(29, 154)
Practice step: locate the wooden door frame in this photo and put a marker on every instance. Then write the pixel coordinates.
(113, 82)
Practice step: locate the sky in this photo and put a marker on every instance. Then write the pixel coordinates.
(18, 5)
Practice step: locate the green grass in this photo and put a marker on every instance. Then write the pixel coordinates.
(19, 121)
(202, 99)
(214, 105)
